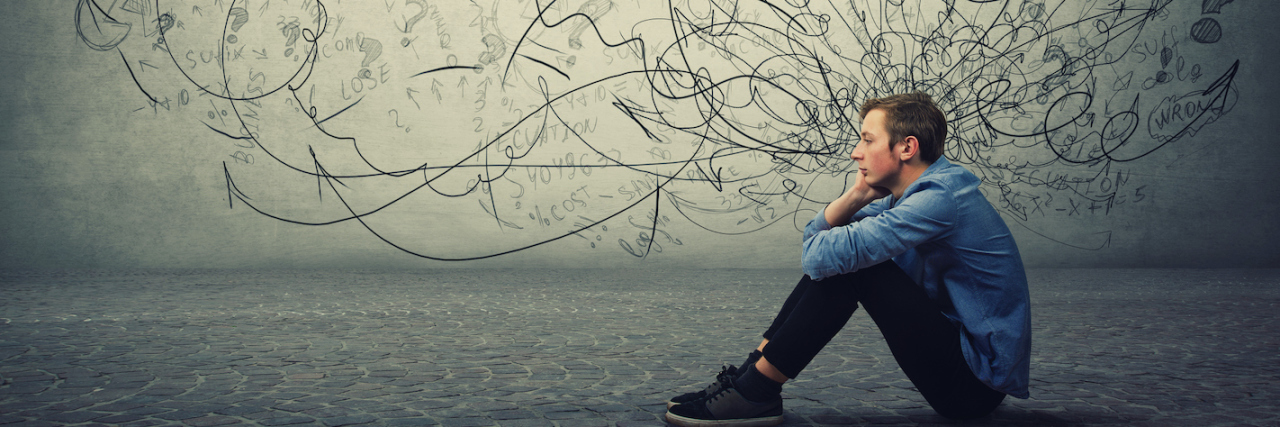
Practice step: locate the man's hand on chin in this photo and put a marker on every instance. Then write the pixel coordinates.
(857, 197)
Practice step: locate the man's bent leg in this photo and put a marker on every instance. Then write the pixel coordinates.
(925, 344)
(813, 315)
(923, 341)
(785, 312)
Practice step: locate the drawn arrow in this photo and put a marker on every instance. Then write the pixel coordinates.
(409, 91)
(146, 64)
(435, 88)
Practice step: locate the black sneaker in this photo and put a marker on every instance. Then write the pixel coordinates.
(721, 378)
(726, 407)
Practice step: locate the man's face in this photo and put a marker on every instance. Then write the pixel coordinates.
(877, 162)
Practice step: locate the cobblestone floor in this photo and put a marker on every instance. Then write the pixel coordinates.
(579, 348)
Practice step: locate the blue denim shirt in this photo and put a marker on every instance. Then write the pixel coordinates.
(951, 241)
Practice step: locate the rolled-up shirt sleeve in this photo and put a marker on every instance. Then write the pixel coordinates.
(819, 223)
(878, 232)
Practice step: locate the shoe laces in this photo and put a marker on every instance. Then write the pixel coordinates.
(726, 371)
(725, 386)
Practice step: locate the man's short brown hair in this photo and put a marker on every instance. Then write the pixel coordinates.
(912, 114)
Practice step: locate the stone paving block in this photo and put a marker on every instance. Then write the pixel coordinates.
(527, 422)
(331, 412)
(296, 406)
(283, 421)
(364, 394)
(466, 422)
(833, 419)
(147, 410)
(629, 416)
(402, 413)
(211, 420)
(73, 417)
(178, 415)
(349, 420)
(240, 410)
(72, 405)
(512, 414)
(421, 421)
(38, 424)
(190, 406)
(118, 419)
(655, 422)
(453, 412)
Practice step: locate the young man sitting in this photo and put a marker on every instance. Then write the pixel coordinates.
(919, 247)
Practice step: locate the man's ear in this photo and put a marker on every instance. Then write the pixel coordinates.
(909, 148)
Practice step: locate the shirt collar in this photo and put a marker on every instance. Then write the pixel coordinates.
(940, 164)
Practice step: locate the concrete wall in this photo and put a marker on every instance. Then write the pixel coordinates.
(401, 133)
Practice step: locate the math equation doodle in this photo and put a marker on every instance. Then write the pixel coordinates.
(611, 124)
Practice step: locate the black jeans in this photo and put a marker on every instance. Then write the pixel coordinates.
(923, 341)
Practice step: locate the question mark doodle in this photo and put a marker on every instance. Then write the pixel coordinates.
(495, 48)
(372, 49)
(291, 31)
(1208, 30)
(422, 13)
(241, 17)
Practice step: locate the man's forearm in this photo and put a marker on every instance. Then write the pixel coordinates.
(840, 211)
